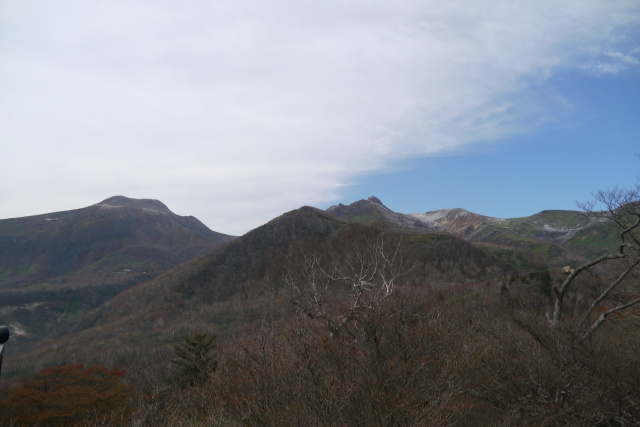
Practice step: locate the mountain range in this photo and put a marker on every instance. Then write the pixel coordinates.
(550, 233)
(127, 272)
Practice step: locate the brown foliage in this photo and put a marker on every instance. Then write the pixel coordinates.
(66, 395)
(462, 356)
(387, 367)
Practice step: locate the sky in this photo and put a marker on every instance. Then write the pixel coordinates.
(236, 111)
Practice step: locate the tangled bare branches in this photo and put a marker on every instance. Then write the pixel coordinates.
(353, 272)
(621, 208)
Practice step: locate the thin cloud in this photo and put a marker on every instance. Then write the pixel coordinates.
(236, 111)
(612, 63)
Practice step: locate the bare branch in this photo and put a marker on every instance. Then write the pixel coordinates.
(622, 252)
(559, 293)
(604, 315)
(606, 292)
(354, 271)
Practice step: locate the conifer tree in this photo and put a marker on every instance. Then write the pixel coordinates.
(194, 359)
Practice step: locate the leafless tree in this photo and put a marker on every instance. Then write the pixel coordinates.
(620, 207)
(353, 272)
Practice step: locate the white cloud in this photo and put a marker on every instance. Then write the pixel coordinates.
(613, 62)
(236, 111)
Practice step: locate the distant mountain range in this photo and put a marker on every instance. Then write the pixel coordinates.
(550, 233)
(131, 272)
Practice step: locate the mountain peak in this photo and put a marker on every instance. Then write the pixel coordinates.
(358, 206)
(126, 202)
(374, 199)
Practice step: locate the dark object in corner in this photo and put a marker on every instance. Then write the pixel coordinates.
(5, 333)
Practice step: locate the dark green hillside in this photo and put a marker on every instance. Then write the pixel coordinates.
(250, 264)
(56, 266)
(110, 237)
(368, 211)
(448, 260)
(551, 225)
(241, 268)
(594, 240)
(565, 234)
(580, 232)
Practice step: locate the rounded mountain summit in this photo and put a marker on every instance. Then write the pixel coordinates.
(101, 243)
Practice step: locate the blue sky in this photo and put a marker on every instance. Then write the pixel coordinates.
(236, 111)
(553, 166)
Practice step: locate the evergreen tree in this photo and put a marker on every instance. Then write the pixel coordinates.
(194, 359)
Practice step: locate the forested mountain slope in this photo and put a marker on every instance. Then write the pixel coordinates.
(230, 289)
(54, 267)
(117, 234)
